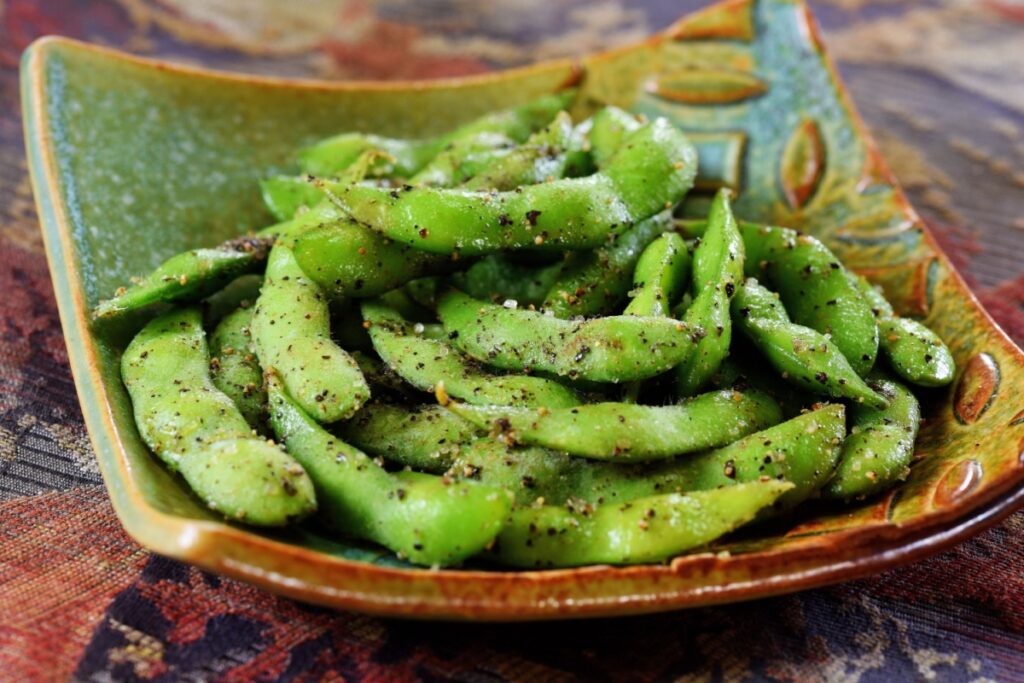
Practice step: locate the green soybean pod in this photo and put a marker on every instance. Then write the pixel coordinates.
(405, 157)
(541, 158)
(234, 368)
(239, 293)
(611, 349)
(461, 160)
(199, 432)
(429, 363)
(579, 160)
(803, 450)
(877, 452)
(531, 473)
(644, 530)
(291, 334)
(801, 355)
(609, 127)
(816, 289)
(652, 171)
(660, 276)
(720, 255)
(596, 282)
(912, 350)
(717, 270)
(500, 278)
(285, 195)
(743, 369)
(425, 519)
(425, 438)
(626, 432)
(346, 259)
(385, 384)
(189, 276)
(350, 260)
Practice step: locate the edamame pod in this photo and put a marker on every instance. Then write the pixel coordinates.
(199, 432)
(626, 432)
(425, 363)
(541, 158)
(405, 157)
(660, 276)
(912, 350)
(880, 446)
(803, 356)
(610, 126)
(815, 287)
(498, 278)
(652, 171)
(285, 195)
(240, 292)
(346, 259)
(462, 160)
(291, 334)
(189, 276)
(596, 282)
(644, 530)
(803, 451)
(425, 438)
(743, 369)
(717, 270)
(612, 349)
(383, 381)
(721, 254)
(817, 291)
(234, 368)
(425, 519)
(579, 161)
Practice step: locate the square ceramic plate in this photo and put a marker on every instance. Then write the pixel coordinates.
(133, 160)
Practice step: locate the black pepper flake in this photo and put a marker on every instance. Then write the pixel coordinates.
(531, 216)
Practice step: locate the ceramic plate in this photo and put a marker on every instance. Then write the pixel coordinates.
(133, 160)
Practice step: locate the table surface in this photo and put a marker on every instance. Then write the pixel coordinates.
(941, 85)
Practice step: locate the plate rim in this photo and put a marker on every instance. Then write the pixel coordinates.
(216, 546)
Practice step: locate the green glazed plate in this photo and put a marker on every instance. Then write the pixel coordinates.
(133, 160)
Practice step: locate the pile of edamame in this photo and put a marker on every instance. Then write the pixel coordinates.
(499, 344)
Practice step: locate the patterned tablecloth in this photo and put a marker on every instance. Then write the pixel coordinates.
(941, 83)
